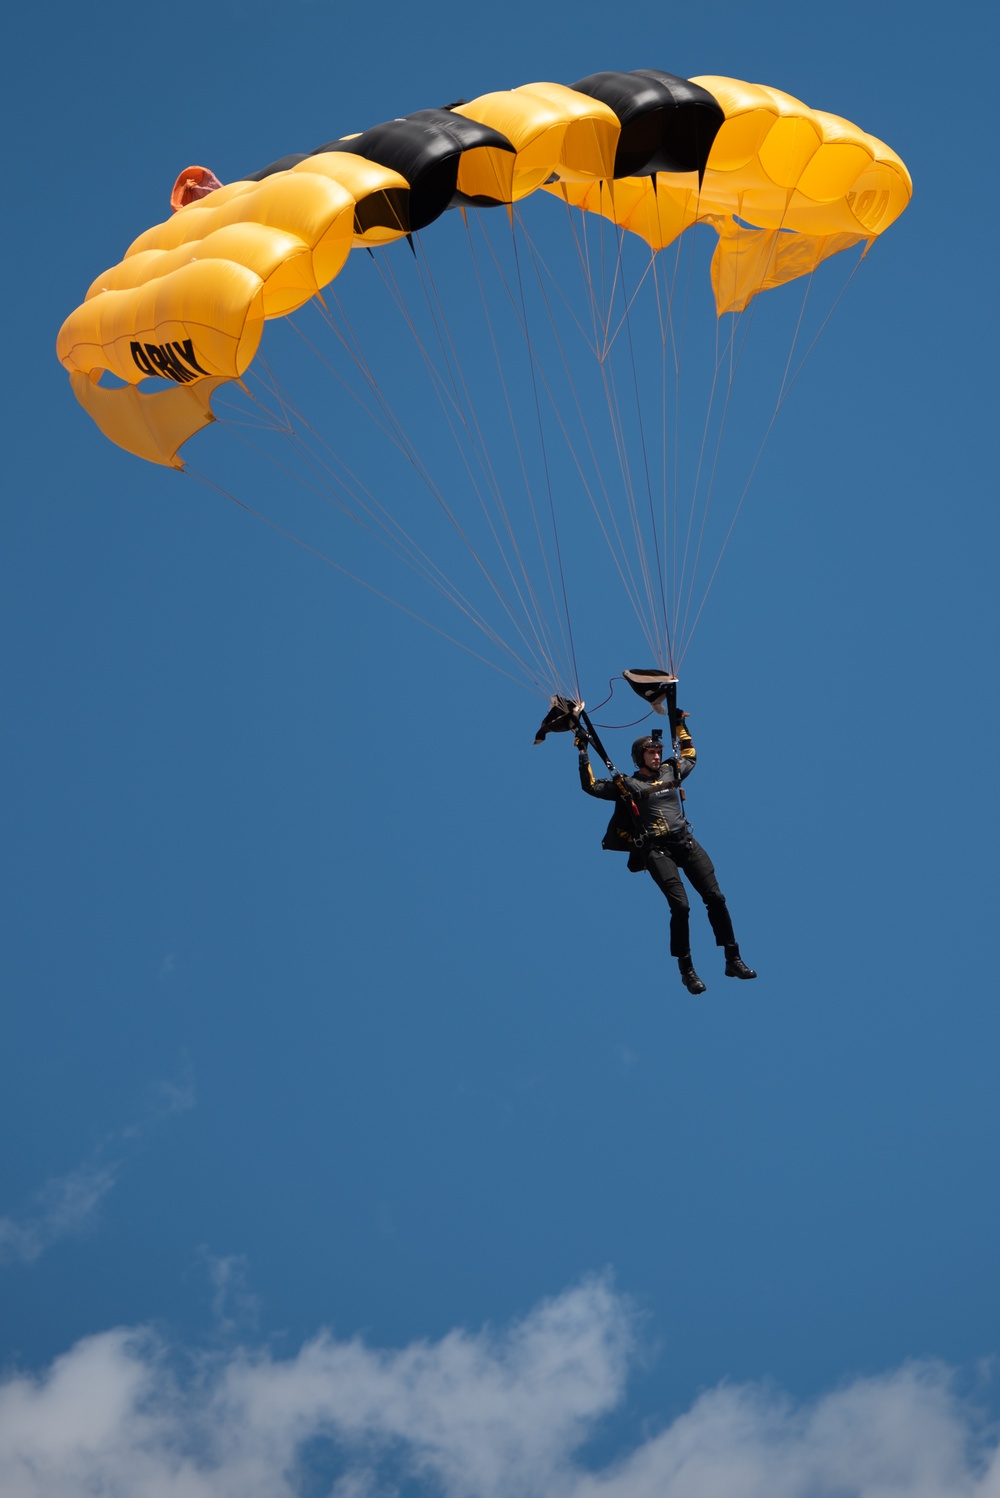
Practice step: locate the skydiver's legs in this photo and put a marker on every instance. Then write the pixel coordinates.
(663, 871)
(700, 870)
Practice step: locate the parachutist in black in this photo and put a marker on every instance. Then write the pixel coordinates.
(649, 825)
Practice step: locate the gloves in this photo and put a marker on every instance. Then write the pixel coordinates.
(581, 738)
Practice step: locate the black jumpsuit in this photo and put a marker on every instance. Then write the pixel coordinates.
(667, 845)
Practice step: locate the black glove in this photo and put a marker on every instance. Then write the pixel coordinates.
(581, 738)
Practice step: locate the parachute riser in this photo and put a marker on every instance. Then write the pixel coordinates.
(595, 739)
(617, 777)
(670, 703)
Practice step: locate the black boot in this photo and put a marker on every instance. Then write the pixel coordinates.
(735, 966)
(689, 977)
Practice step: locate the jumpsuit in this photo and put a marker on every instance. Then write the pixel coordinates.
(667, 843)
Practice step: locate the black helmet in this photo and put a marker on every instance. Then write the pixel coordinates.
(648, 741)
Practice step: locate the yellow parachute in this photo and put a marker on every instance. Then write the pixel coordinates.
(783, 186)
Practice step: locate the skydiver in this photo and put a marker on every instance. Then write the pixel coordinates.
(649, 824)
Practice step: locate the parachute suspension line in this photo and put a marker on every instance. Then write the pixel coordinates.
(628, 300)
(604, 314)
(414, 558)
(515, 435)
(405, 446)
(787, 389)
(734, 363)
(539, 371)
(410, 552)
(209, 483)
(588, 338)
(657, 550)
(545, 646)
(720, 432)
(520, 313)
(399, 440)
(260, 425)
(664, 528)
(683, 581)
(783, 395)
(612, 292)
(582, 242)
(621, 562)
(666, 324)
(568, 631)
(477, 442)
(606, 366)
(620, 555)
(327, 492)
(396, 540)
(600, 317)
(734, 358)
(677, 346)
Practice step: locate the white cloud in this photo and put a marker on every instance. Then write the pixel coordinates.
(68, 1204)
(470, 1416)
(234, 1307)
(64, 1205)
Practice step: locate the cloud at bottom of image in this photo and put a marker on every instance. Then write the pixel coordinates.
(491, 1414)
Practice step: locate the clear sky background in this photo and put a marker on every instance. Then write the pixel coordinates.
(325, 1016)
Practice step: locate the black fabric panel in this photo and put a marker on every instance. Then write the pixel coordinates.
(389, 208)
(425, 149)
(284, 165)
(420, 152)
(668, 123)
(465, 133)
(696, 121)
(474, 200)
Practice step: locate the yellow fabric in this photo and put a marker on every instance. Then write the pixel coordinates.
(747, 261)
(303, 203)
(283, 262)
(592, 131)
(212, 274)
(487, 171)
(189, 299)
(658, 217)
(215, 304)
(362, 179)
(777, 165)
(549, 131)
(151, 426)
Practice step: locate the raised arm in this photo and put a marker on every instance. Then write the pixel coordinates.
(604, 790)
(687, 754)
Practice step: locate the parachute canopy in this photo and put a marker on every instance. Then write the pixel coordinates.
(783, 186)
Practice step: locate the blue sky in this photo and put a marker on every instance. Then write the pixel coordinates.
(327, 1019)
